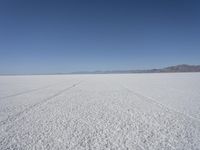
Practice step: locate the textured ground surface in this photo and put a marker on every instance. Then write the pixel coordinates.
(136, 111)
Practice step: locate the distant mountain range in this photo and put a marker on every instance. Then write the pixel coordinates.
(171, 69)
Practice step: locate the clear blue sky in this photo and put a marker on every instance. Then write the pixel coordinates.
(45, 36)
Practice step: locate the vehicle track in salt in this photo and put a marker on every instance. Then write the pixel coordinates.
(15, 116)
(155, 102)
(28, 91)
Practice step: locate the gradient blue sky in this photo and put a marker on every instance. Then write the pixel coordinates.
(45, 36)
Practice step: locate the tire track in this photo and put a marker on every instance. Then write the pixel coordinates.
(155, 102)
(14, 117)
(28, 91)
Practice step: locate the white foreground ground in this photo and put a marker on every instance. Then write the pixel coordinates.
(135, 111)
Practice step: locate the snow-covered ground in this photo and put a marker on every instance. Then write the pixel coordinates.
(127, 111)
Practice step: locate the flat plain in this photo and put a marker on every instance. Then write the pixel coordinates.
(100, 111)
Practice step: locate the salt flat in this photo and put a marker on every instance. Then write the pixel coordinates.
(107, 111)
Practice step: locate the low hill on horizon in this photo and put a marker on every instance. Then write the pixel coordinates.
(170, 69)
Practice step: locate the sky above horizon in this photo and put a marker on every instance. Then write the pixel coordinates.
(46, 36)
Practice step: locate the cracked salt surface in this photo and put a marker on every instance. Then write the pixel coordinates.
(129, 111)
